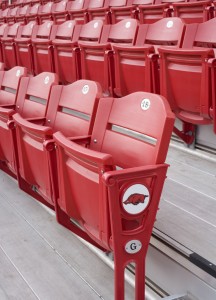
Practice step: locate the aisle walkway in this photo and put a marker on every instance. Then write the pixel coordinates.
(40, 259)
(188, 205)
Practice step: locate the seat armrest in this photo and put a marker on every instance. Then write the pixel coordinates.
(144, 48)
(133, 173)
(39, 120)
(31, 127)
(81, 139)
(9, 106)
(7, 112)
(58, 42)
(41, 41)
(105, 46)
(208, 51)
(83, 153)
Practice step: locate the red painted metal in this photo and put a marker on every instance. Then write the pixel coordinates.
(95, 182)
(71, 110)
(31, 102)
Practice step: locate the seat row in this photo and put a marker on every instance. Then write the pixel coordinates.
(128, 57)
(76, 51)
(98, 162)
(110, 11)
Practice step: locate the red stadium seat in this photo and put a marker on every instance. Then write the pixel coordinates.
(3, 32)
(136, 67)
(45, 12)
(8, 46)
(42, 47)
(21, 15)
(77, 9)
(33, 13)
(188, 79)
(97, 58)
(119, 13)
(194, 12)
(104, 13)
(31, 102)
(10, 18)
(59, 12)
(94, 5)
(156, 10)
(4, 14)
(111, 189)
(23, 46)
(16, 3)
(66, 51)
(9, 85)
(71, 110)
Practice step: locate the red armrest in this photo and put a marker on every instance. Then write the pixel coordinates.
(29, 126)
(84, 153)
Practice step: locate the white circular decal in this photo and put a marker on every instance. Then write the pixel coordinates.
(133, 246)
(95, 24)
(145, 104)
(46, 80)
(135, 199)
(169, 24)
(85, 89)
(18, 72)
(128, 24)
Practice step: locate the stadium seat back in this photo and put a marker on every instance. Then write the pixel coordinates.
(91, 31)
(33, 99)
(123, 32)
(42, 49)
(46, 8)
(8, 46)
(10, 81)
(66, 54)
(200, 35)
(23, 11)
(126, 132)
(71, 110)
(98, 4)
(171, 32)
(59, 6)
(74, 112)
(194, 11)
(33, 12)
(3, 29)
(77, 5)
(99, 65)
(186, 83)
(65, 30)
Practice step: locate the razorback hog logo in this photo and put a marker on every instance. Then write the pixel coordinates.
(135, 199)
